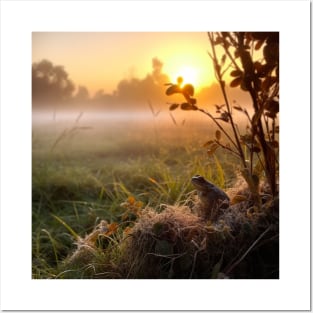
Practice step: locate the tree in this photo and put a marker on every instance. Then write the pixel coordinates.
(50, 83)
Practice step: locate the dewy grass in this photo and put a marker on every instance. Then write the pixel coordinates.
(85, 182)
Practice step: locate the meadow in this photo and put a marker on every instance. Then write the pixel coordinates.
(90, 168)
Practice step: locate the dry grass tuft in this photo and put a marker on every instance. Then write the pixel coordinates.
(176, 243)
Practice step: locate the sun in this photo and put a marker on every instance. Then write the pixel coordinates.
(189, 74)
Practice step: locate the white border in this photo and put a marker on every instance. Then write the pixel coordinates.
(19, 19)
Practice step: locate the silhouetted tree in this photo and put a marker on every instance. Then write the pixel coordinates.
(50, 83)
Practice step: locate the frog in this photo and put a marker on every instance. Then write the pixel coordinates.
(213, 200)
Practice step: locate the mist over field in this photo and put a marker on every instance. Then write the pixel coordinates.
(155, 155)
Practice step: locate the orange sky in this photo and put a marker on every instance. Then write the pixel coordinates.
(99, 60)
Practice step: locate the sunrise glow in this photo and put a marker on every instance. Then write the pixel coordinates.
(189, 74)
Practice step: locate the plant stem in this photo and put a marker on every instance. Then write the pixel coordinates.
(222, 85)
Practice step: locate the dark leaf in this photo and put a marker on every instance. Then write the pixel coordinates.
(174, 106)
(236, 73)
(188, 89)
(218, 107)
(224, 117)
(186, 106)
(271, 53)
(172, 90)
(272, 106)
(236, 82)
(218, 135)
(237, 108)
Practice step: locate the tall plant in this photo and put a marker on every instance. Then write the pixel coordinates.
(259, 77)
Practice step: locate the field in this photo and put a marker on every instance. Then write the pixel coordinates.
(90, 168)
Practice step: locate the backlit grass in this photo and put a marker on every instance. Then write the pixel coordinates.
(83, 175)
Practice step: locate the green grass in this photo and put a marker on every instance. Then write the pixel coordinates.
(81, 176)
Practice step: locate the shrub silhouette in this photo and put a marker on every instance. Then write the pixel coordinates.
(259, 78)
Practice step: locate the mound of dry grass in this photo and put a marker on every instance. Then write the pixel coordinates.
(176, 243)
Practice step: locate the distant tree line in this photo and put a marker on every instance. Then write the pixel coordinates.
(52, 87)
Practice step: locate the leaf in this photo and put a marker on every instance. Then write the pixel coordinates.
(272, 106)
(219, 107)
(172, 90)
(236, 73)
(218, 135)
(225, 117)
(237, 108)
(188, 89)
(174, 106)
(236, 82)
(186, 106)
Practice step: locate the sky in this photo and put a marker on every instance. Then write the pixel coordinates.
(100, 60)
